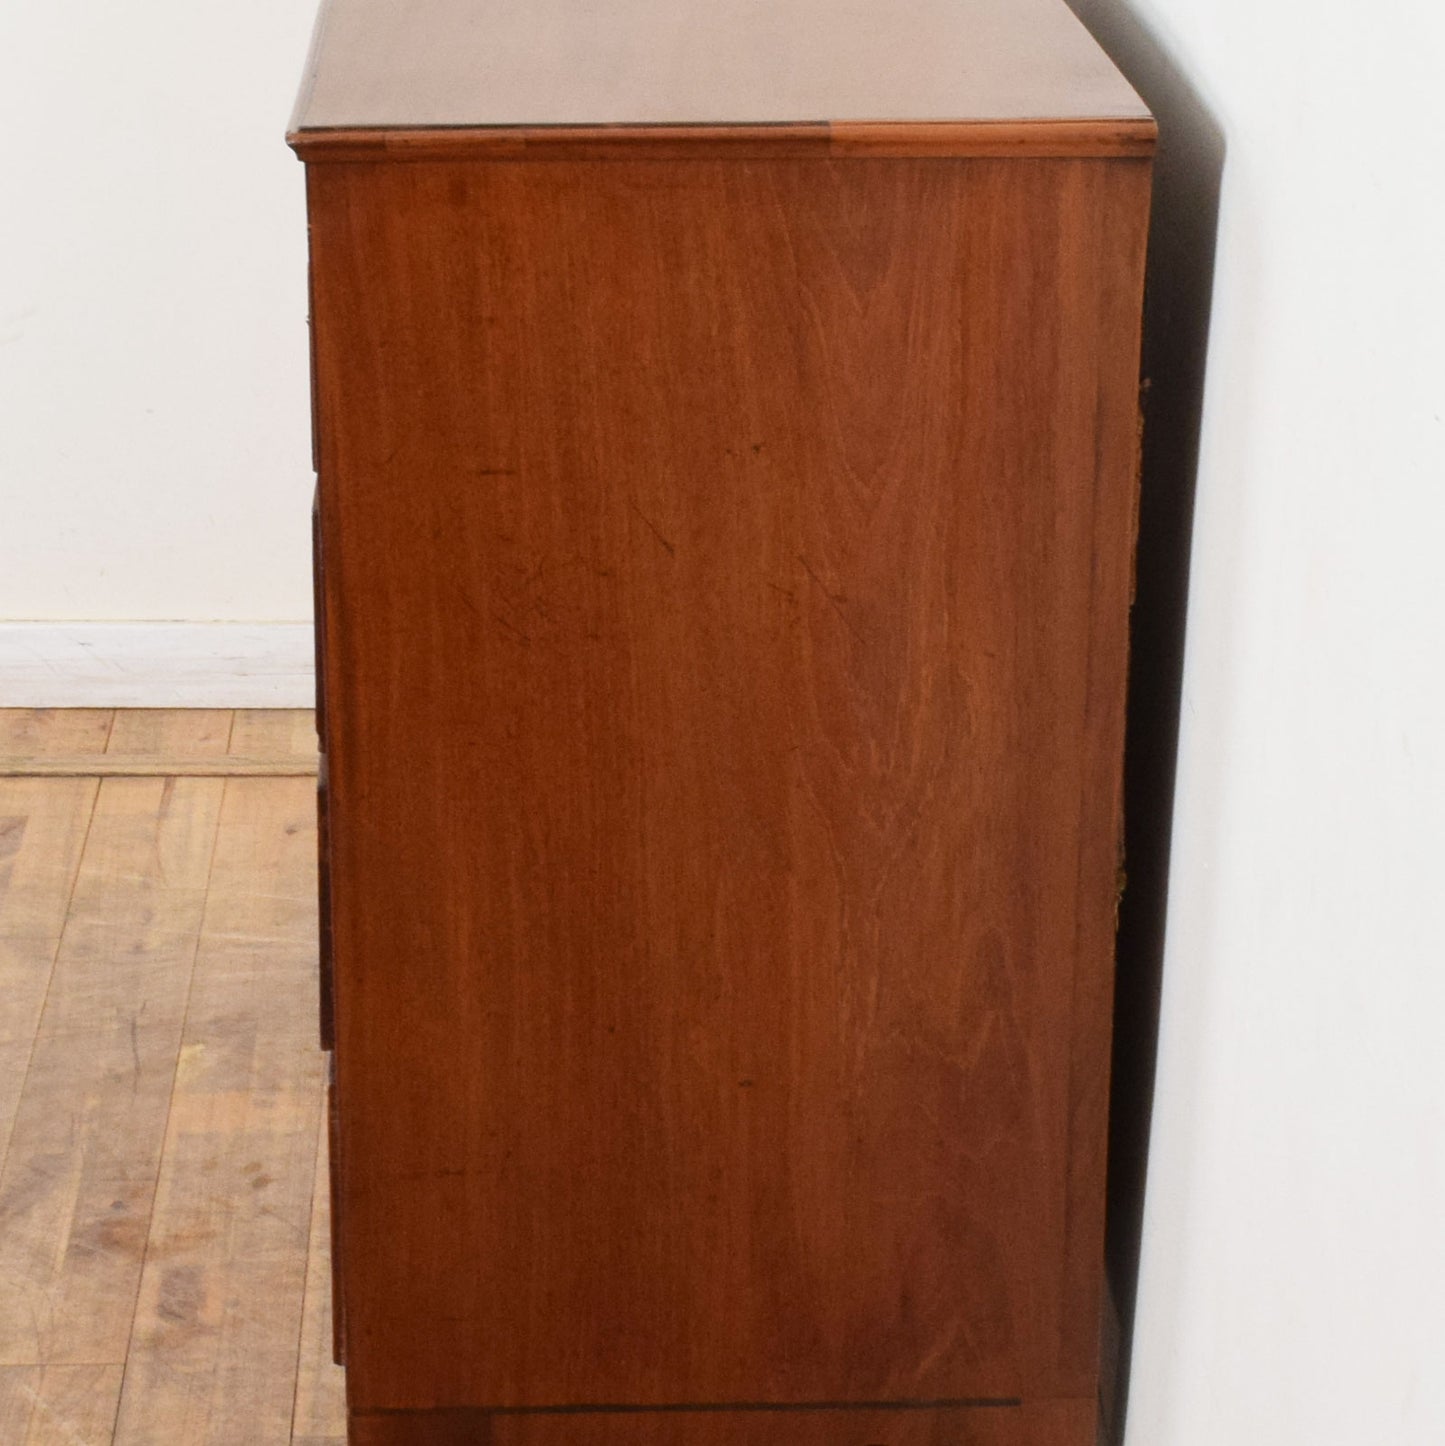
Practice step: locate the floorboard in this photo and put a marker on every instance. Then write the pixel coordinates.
(163, 1241)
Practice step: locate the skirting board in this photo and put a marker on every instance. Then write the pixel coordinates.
(156, 665)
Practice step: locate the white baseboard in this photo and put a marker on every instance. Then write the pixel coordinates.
(156, 665)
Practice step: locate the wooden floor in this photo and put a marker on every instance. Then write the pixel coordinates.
(163, 1232)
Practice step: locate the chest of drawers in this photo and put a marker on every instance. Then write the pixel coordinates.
(726, 435)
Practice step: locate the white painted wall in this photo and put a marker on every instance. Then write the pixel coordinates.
(1293, 1281)
(154, 443)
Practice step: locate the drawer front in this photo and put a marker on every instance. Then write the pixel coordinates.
(326, 976)
(318, 613)
(327, 972)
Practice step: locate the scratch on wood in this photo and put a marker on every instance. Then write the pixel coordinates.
(834, 602)
(511, 627)
(652, 527)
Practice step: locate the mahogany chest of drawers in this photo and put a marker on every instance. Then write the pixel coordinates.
(726, 437)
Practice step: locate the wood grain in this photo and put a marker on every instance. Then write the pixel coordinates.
(275, 735)
(337, 1217)
(320, 1413)
(58, 1405)
(42, 832)
(19, 1386)
(236, 1365)
(76, 1189)
(1054, 1423)
(44, 732)
(214, 1347)
(178, 736)
(145, 765)
(982, 139)
(162, 743)
(170, 733)
(722, 1005)
(380, 63)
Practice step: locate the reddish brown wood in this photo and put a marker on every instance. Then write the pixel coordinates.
(326, 956)
(338, 1210)
(1052, 1423)
(728, 567)
(326, 971)
(993, 139)
(1129, 136)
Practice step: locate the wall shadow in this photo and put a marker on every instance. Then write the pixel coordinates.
(1178, 293)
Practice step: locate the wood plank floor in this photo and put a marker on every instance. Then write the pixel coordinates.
(163, 1235)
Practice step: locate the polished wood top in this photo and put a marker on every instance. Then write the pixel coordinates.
(379, 65)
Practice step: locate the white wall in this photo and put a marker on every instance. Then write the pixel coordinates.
(1293, 1282)
(154, 443)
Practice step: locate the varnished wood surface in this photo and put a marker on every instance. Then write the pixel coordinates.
(723, 986)
(443, 63)
(1054, 1423)
(986, 139)
(162, 1250)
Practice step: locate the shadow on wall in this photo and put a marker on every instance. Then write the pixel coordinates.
(1178, 290)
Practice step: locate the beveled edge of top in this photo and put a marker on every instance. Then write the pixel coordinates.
(983, 139)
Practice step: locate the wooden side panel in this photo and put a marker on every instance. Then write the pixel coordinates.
(1052, 1423)
(725, 740)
